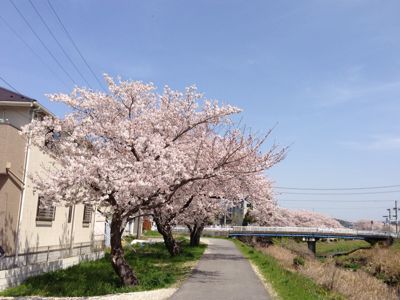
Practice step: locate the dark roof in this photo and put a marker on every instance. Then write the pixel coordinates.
(7, 95)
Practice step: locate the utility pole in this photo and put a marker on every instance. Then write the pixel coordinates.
(395, 215)
(386, 220)
(390, 217)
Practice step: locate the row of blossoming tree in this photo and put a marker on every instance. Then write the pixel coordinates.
(175, 156)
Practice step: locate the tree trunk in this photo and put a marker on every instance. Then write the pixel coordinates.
(120, 265)
(165, 229)
(195, 233)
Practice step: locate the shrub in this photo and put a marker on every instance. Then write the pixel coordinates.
(298, 261)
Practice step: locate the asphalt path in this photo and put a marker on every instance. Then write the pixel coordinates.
(222, 273)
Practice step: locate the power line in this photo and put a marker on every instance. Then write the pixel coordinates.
(337, 189)
(9, 85)
(342, 201)
(75, 46)
(32, 50)
(41, 41)
(338, 194)
(313, 207)
(58, 43)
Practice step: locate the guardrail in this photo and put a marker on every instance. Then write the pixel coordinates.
(316, 230)
(296, 230)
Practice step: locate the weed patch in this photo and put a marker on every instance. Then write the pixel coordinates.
(289, 285)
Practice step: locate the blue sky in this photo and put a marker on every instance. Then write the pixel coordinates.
(326, 72)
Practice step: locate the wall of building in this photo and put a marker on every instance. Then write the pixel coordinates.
(43, 245)
(12, 157)
(16, 116)
(32, 234)
(9, 206)
(12, 150)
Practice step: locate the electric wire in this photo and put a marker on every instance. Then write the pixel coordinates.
(341, 201)
(75, 45)
(337, 189)
(338, 194)
(41, 41)
(32, 50)
(321, 207)
(9, 84)
(58, 42)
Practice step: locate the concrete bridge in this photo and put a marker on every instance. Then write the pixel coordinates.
(311, 234)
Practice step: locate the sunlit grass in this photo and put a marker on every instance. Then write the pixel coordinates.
(340, 246)
(151, 262)
(288, 285)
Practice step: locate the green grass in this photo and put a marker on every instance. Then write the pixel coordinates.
(151, 233)
(328, 248)
(288, 285)
(396, 244)
(152, 264)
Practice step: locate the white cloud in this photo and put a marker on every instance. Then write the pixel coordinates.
(385, 143)
(376, 142)
(335, 94)
(352, 86)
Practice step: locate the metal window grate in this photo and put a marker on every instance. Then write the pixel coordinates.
(87, 214)
(45, 213)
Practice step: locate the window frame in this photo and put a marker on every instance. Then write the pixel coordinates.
(46, 215)
(87, 214)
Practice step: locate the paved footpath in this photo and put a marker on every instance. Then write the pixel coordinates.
(222, 273)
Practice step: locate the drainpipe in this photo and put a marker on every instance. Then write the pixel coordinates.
(72, 229)
(22, 199)
(93, 229)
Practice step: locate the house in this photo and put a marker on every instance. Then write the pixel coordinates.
(34, 239)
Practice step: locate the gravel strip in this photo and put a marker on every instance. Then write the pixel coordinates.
(161, 294)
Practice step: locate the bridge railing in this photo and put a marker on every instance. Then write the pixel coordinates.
(311, 230)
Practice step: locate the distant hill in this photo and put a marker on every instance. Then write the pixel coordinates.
(344, 223)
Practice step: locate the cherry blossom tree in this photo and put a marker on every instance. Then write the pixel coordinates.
(125, 151)
(283, 217)
(200, 203)
(371, 225)
(233, 161)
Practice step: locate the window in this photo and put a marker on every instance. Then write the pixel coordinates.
(69, 214)
(45, 213)
(3, 117)
(87, 214)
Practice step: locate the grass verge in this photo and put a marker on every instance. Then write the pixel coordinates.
(396, 245)
(152, 264)
(151, 233)
(340, 246)
(288, 285)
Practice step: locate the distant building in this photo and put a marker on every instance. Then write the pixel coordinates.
(134, 227)
(30, 234)
(234, 215)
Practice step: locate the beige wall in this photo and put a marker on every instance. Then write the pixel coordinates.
(16, 116)
(35, 235)
(32, 235)
(12, 150)
(10, 195)
(12, 153)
